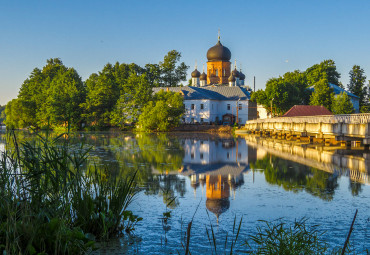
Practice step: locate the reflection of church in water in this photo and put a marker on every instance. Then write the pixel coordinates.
(217, 166)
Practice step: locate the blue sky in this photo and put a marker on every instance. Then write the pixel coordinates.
(268, 38)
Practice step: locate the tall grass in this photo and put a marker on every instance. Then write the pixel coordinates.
(49, 205)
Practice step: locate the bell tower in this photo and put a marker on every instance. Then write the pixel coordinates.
(218, 65)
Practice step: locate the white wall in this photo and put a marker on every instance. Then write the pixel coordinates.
(210, 152)
(213, 109)
(197, 113)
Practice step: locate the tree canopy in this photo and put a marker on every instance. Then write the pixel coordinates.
(171, 72)
(162, 113)
(356, 84)
(295, 88)
(2, 113)
(56, 95)
(51, 95)
(342, 104)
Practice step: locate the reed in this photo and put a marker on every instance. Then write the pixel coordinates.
(49, 205)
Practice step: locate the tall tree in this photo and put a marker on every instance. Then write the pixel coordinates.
(2, 113)
(39, 95)
(323, 94)
(102, 95)
(356, 84)
(163, 113)
(326, 69)
(280, 94)
(342, 104)
(171, 73)
(136, 93)
(65, 96)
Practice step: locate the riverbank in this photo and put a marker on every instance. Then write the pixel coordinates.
(203, 128)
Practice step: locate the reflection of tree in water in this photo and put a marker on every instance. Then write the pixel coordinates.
(167, 186)
(123, 155)
(355, 187)
(120, 155)
(161, 152)
(296, 177)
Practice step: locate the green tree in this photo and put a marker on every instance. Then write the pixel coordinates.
(356, 84)
(2, 113)
(342, 104)
(282, 94)
(46, 97)
(65, 95)
(171, 73)
(326, 69)
(136, 93)
(323, 94)
(153, 73)
(163, 113)
(103, 92)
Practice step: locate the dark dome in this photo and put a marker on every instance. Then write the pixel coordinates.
(241, 75)
(231, 78)
(235, 73)
(195, 73)
(218, 206)
(203, 77)
(218, 53)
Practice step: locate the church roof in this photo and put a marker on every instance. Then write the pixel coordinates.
(209, 92)
(215, 169)
(337, 90)
(218, 53)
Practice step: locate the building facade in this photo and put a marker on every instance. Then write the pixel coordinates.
(218, 96)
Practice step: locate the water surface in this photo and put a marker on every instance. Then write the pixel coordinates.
(221, 178)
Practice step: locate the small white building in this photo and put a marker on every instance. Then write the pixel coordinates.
(213, 104)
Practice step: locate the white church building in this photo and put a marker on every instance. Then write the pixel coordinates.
(219, 96)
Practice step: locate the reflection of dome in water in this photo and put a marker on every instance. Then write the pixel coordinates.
(218, 206)
(194, 185)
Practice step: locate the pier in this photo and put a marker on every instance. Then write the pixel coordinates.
(350, 129)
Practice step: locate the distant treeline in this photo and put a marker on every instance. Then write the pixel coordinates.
(292, 89)
(2, 113)
(56, 96)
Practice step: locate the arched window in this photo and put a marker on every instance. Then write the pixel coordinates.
(216, 72)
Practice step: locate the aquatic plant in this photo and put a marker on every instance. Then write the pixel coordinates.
(278, 237)
(48, 205)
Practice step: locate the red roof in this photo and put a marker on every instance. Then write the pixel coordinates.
(307, 110)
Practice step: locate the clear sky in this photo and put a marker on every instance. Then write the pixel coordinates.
(268, 38)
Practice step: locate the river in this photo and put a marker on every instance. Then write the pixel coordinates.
(214, 179)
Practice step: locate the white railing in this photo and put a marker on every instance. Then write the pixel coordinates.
(361, 118)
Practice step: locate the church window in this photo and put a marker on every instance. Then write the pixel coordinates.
(216, 72)
(228, 107)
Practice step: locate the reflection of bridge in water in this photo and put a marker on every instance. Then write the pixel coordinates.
(354, 164)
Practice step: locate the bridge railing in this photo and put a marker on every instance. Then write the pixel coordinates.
(340, 118)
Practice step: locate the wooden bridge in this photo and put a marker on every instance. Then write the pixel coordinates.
(346, 127)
